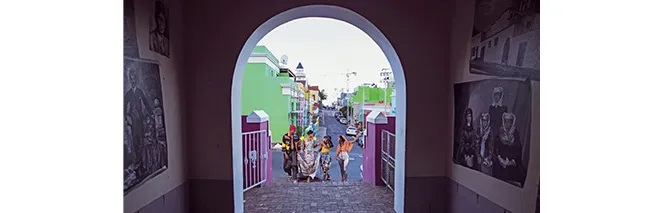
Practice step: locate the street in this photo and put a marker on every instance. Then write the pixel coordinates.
(333, 128)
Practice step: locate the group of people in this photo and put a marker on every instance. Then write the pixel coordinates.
(303, 156)
(144, 133)
(495, 146)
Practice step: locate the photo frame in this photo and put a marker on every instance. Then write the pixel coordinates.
(505, 39)
(492, 127)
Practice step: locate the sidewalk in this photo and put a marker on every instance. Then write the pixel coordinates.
(335, 196)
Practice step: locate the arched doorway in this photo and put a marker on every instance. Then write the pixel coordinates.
(323, 11)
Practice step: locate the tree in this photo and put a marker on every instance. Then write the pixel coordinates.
(322, 95)
(344, 111)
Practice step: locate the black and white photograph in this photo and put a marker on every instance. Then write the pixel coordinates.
(130, 37)
(506, 39)
(145, 141)
(492, 123)
(159, 34)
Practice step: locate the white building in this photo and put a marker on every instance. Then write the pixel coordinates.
(387, 77)
(300, 75)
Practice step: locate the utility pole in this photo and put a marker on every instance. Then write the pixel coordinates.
(386, 79)
(348, 74)
(362, 114)
(385, 97)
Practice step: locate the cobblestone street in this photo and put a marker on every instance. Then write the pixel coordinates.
(334, 196)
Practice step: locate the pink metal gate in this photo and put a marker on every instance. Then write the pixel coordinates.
(255, 156)
(388, 141)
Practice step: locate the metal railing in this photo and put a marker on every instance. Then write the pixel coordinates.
(388, 140)
(255, 156)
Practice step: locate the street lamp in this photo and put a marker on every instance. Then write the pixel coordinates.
(385, 73)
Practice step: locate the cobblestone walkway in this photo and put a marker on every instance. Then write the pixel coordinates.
(334, 196)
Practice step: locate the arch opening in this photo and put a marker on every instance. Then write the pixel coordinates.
(319, 11)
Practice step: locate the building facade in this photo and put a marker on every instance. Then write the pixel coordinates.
(296, 94)
(366, 96)
(269, 88)
(303, 100)
(512, 39)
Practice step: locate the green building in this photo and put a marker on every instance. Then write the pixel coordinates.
(272, 89)
(374, 98)
(371, 95)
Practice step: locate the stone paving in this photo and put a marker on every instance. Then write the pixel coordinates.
(333, 196)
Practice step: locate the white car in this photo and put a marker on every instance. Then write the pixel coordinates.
(352, 131)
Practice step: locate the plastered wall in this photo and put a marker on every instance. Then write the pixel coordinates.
(510, 197)
(170, 71)
(217, 30)
(431, 40)
(215, 35)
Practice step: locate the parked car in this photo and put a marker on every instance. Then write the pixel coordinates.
(359, 141)
(343, 121)
(352, 131)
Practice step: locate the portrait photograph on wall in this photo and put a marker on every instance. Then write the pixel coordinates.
(145, 141)
(506, 39)
(492, 123)
(130, 37)
(159, 33)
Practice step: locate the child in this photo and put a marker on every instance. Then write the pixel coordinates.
(326, 144)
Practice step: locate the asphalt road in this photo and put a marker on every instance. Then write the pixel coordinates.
(334, 129)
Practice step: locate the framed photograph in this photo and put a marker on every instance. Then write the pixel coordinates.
(130, 37)
(159, 33)
(506, 39)
(492, 123)
(145, 138)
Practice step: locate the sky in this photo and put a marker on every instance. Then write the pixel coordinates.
(327, 48)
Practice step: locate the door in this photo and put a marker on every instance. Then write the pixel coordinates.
(505, 51)
(522, 48)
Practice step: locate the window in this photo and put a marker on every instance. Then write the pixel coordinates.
(529, 25)
(496, 40)
(522, 48)
(489, 43)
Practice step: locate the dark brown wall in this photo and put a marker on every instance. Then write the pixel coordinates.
(430, 43)
(512, 198)
(215, 32)
(171, 73)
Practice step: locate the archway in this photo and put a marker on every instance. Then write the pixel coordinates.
(323, 11)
